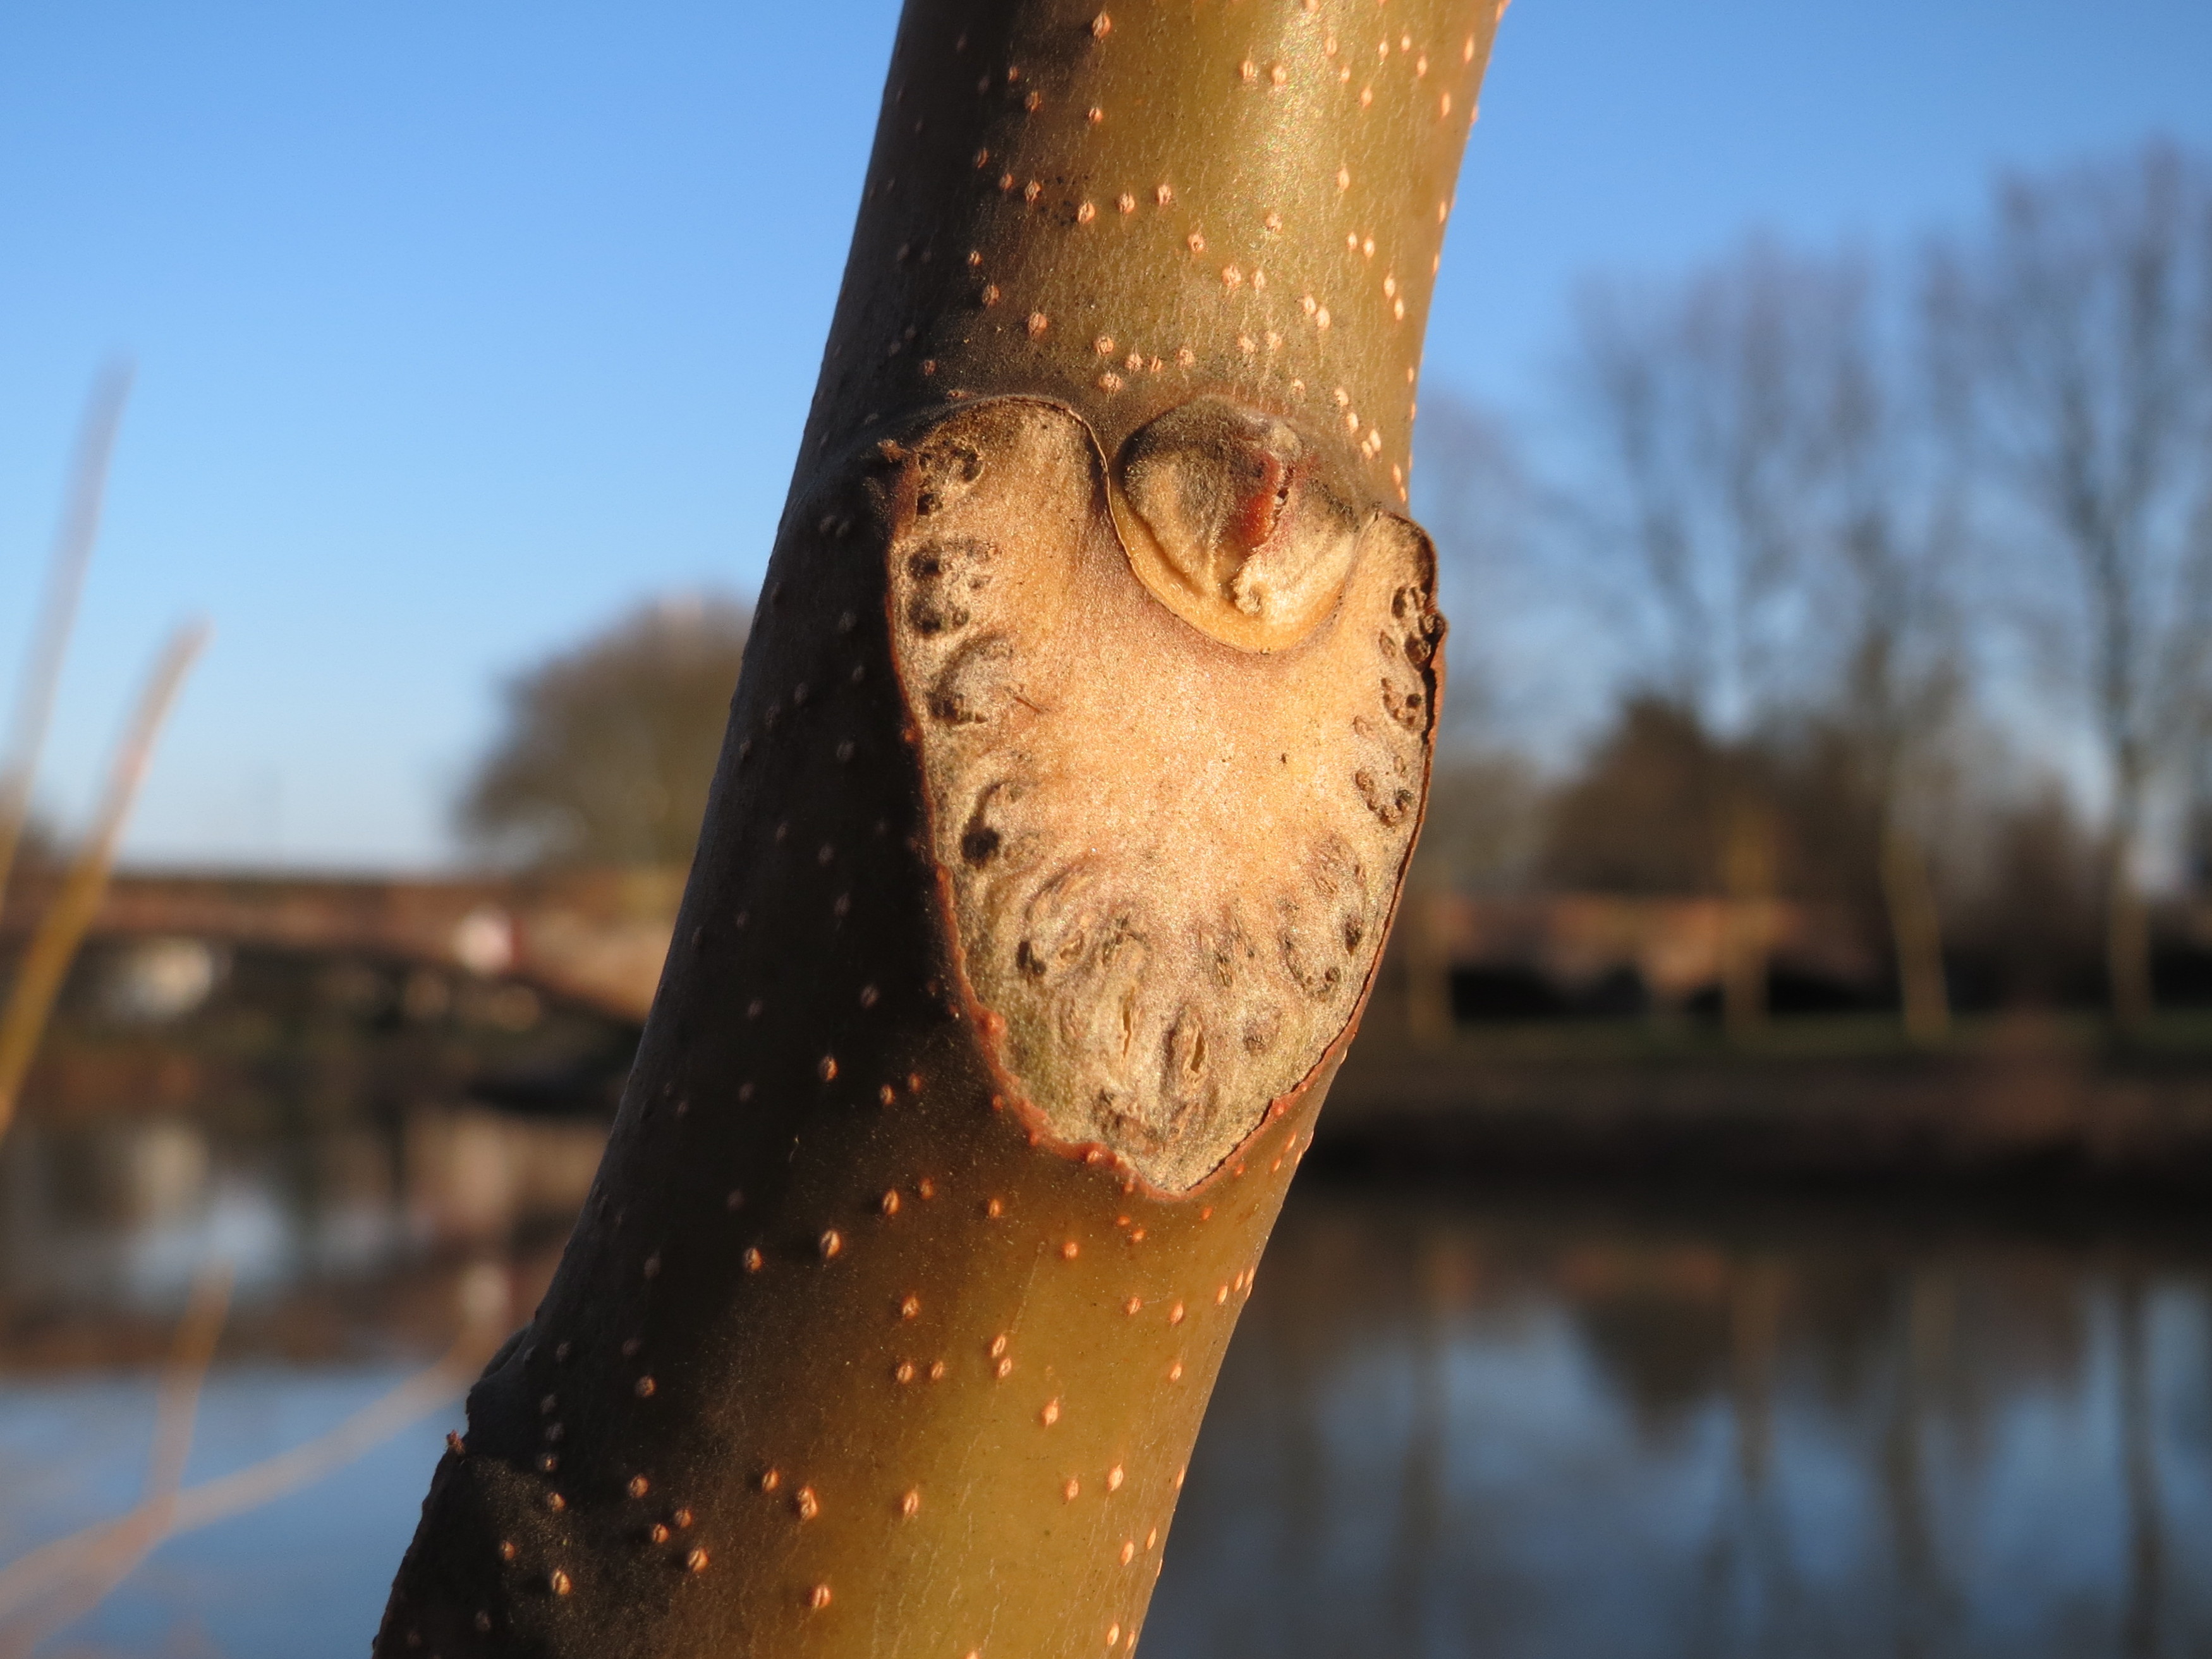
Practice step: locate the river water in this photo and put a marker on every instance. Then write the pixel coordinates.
(1558, 1426)
(1526, 1424)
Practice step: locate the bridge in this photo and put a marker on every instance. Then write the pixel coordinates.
(597, 938)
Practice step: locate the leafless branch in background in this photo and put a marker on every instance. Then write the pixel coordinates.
(1893, 545)
(72, 553)
(1479, 500)
(1484, 505)
(1705, 405)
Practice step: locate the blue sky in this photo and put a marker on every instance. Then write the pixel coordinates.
(459, 329)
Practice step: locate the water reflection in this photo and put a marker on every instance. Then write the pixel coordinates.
(1556, 1428)
(120, 1217)
(1554, 1425)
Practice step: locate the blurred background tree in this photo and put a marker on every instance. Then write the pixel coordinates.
(1760, 462)
(2083, 317)
(609, 746)
(1881, 582)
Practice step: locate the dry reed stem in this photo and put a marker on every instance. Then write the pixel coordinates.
(39, 976)
(176, 1407)
(114, 1548)
(72, 553)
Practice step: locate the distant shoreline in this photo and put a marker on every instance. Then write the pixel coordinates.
(2040, 1103)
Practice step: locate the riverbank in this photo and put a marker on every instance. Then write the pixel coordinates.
(2032, 1101)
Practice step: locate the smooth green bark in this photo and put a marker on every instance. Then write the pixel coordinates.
(1034, 908)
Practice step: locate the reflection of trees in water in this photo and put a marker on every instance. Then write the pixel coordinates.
(1551, 1430)
(1421, 1535)
(1663, 1346)
(1926, 1605)
(1748, 1595)
(2021, 1324)
(1292, 1385)
(1298, 1376)
(2139, 1634)
(1841, 1309)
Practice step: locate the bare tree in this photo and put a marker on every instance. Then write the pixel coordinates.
(2083, 311)
(1889, 595)
(1748, 469)
(1481, 503)
(1479, 500)
(1707, 401)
